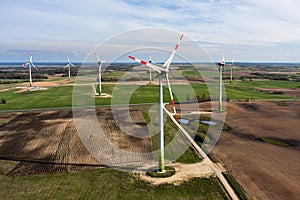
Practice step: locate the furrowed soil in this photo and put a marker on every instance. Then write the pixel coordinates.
(265, 171)
(47, 142)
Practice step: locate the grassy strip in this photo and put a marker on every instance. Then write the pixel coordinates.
(281, 103)
(274, 141)
(212, 158)
(236, 187)
(105, 184)
(189, 157)
(272, 84)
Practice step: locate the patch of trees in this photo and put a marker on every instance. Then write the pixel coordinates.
(21, 76)
(109, 79)
(198, 98)
(282, 77)
(3, 100)
(245, 78)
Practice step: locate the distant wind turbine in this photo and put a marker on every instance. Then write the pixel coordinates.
(99, 71)
(30, 64)
(69, 67)
(231, 70)
(150, 70)
(221, 64)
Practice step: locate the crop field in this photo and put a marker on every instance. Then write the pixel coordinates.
(38, 148)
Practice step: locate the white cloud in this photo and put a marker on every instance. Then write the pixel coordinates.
(67, 25)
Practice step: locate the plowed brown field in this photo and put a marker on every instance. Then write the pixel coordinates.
(47, 142)
(265, 171)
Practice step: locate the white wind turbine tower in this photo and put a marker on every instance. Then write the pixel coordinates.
(162, 70)
(99, 71)
(69, 67)
(150, 70)
(30, 64)
(231, 70)
(221, 64)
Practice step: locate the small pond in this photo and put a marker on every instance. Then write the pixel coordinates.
(186, 122)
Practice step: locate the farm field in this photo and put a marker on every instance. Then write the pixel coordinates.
(37, 144)
(37, 149)
(264, 170)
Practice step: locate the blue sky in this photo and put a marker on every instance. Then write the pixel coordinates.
(253, 30)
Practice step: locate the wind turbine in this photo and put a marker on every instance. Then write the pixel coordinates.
(150, 70)
(221, 64)
(99, 71)
(162, 70)
(30, 64)
(69, 67)
(231, 70)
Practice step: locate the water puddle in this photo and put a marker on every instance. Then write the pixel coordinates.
(186, 122)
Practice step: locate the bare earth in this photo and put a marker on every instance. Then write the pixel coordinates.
(183, 172)
(47, 142)
(265, 171)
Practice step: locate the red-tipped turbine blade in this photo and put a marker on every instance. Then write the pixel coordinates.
(168, 62)
(34, 67)
(171, 94)
(156, 68)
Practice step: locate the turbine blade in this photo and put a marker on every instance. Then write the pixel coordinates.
(34, 67)
(168, 62)
(171, 94)
(72, 65)
(156, 68)
(67, 66)
(30, 58)
(97, 56)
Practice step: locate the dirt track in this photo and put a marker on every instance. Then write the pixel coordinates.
(47, 142)
(264, 170)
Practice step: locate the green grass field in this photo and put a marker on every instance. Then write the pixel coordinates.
(58, 97)
(270, 84)
(104, 184)
(52, 98)
(244, 91)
